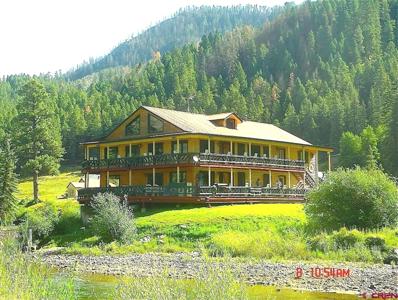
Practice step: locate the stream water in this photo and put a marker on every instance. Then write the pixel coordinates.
(101, 287)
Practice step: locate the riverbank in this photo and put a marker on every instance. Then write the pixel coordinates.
(359, 279)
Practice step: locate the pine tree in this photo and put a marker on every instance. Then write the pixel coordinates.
(37, 135)
(8, 184)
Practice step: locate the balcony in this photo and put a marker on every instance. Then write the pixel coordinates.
(192, 159)
(216, 192)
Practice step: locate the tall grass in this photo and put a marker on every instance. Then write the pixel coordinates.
(213, 283)
(20, 278)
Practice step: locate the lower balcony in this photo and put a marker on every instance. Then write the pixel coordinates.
(183, 193)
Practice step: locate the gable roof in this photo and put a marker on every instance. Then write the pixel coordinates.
(199, 123)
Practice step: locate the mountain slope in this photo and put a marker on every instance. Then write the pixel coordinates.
(185, 26)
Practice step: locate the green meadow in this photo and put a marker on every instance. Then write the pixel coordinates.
(260, 231)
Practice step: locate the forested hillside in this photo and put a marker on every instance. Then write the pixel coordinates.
(318, 69)
(187, 25)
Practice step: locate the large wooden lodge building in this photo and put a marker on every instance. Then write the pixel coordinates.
(159, 155)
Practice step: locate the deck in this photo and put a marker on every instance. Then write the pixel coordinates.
(182, 193)
(193, 159)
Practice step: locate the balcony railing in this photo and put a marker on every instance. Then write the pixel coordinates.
(182, 189)
(188, 158)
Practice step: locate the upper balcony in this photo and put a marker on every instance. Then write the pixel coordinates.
(195, 159)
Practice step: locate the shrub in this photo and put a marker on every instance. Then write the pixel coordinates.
(375, 242)
(42, 219)
(345, 239)
(353, 198)
(112, 219)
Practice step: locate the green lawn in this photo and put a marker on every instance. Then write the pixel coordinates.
(271, 231)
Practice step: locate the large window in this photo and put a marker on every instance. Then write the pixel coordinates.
(241, 149)
(133, 128)
(154, 124)
(93, 153)
(111, 152)
(266, 151)
(158, 179)
(241, 179)
(135, 150)
(203, 178)
(281, 153)
(255, 150)
(183, 146)
(158, 149)
(173, 177)
(204, 145)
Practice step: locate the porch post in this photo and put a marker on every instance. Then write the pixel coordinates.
(232, 177)
(107, 178)
(178, 174)
(87, 153)
(153, 177)
(107, 152)
(230, 148)
(86, 180)
(250, 149)
(208, 146)
(288, 152)
(288, 174)
(178, 148)
(209, 174)
(329, 162)
(153, 150)
(130, 176)
(130, 150)
(316, 167)
(269, 150)
(270, 178)
(304, 179)
(250, 177)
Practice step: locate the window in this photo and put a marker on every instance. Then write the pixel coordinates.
(224, 177)
(154, 124)
(266, 180)
(225, 147)
(158, 148)
(173, 177)
(300, 156)
(158, 179)
(241, 179)
(183, 146)
(281, 153)
(133, 128)
(204, 145)
(93, 153)
(112, 152)
(231, 123)
(135, 150)
(241, 149)
(282, 179)
(114, 180)
(255, 149)
(203, 178)
(266, 151)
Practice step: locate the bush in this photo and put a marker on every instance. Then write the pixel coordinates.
(42, 219)
(353, 198)
(375, 242)
(345, 239)
(112, 219)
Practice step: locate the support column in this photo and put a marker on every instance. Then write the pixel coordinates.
(329, 162)
(86, 180)
(130, 150)
(288, 180)
(316, 167)
(270, 178)
(209, 174)
(231, 148)
(130, 177)
(269, 150)
(107, 178)
(250, 177)
(250, 149)
(107, 152)
(208, 146)
(153, 176)
(87, 153)
(232, 177)
(178, 174)
(153, 149)
(178, 145)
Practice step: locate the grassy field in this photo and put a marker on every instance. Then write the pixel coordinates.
(271, 231)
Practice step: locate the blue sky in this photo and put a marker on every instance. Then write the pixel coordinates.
(43, 36)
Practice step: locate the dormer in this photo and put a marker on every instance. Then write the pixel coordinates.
(227, 120)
